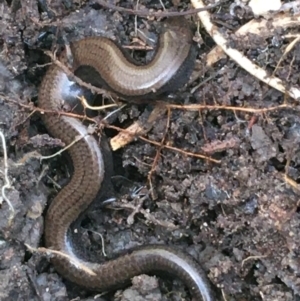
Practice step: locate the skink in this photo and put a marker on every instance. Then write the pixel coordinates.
(169, 69)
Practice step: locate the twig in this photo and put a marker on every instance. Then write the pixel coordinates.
(7, 184)
(102, 242)
(71, 75)
(239, 58)
(287, 50)
(217, 145)
(197, 107)
(256, 26)
(223, 295)
(253, 257)
(42, 111)
(179, 150)
(192, 107)
(147, 215)
(125, 136)
(72, 260)
(136, 129)
(146, 13)
(77, 138)
(166, 146)
(95, 108)
(114, 112)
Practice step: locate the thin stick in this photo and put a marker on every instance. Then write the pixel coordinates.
(239, 58)
(146, 13)
(7, 184)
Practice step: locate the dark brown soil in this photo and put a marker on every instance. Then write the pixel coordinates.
(239, 218)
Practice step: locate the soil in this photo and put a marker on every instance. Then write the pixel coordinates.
(239, 218)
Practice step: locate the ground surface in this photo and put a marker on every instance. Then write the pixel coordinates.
(239, 218)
